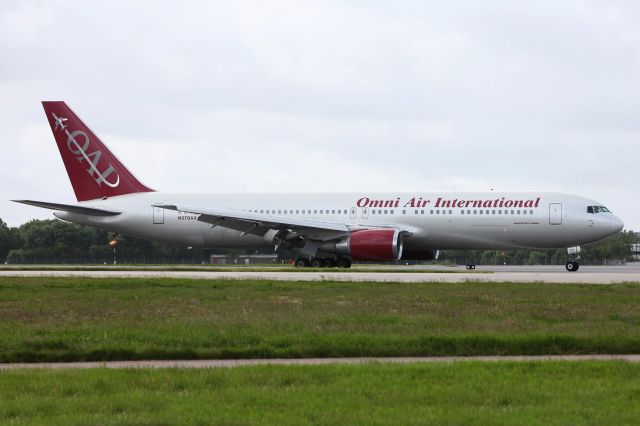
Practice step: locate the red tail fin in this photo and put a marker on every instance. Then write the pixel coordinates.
(93, 170)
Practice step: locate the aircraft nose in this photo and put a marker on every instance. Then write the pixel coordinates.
(616, 223)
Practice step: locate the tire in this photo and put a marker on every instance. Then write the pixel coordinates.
(572, 266)
(301, 262)
(330, 263)
(316, 263)
(343, 262)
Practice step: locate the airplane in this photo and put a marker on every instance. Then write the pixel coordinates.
(317, 229)
(59, 122)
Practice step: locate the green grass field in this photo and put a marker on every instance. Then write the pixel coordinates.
(545, 393)
(65, 319)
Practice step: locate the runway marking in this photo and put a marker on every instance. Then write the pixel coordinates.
(613, 277)
(228, 363)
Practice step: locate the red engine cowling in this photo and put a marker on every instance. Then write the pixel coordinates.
(375, 244)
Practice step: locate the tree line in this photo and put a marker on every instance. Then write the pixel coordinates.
(59, 241)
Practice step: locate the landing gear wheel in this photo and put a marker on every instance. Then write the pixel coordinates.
(301, 262)
(343, 262)
(330, 263)
(572, 266)
(471, 266)
(316, 262)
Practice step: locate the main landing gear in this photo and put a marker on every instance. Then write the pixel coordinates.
(471, 266)
(317, 262)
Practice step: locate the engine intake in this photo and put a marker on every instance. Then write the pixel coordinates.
(369, 244)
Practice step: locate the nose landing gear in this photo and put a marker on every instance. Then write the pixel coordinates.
(574, 255)
(572, 266)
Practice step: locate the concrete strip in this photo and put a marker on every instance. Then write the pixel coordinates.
(562, 277)
(227, 363)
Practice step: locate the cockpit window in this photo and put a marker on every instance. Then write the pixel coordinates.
(597, 209)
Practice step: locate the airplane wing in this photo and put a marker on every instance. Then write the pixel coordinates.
(90, 211)
(260, 224)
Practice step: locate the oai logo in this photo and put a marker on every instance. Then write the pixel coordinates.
(79, 143)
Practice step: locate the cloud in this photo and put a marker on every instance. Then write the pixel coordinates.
(329, 96)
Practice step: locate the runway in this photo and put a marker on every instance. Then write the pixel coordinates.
(518, 274)
(228, 363)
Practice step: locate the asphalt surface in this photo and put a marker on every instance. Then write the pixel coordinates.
(518, 274)
(227, 363)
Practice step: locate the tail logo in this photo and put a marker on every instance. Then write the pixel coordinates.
(59, 122)
(81, 153)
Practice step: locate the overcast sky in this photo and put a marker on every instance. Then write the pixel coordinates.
(328, 96)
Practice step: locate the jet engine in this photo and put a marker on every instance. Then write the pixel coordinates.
(368, 244)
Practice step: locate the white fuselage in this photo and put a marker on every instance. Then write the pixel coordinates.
(435, 220)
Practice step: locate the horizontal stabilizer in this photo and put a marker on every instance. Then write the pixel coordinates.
(90, 211)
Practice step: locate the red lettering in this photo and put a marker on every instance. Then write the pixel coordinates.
(363, 202)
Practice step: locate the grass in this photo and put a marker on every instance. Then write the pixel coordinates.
(75, 319)
(548, 393)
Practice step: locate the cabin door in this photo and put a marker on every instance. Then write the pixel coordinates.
(158, 216)
(555, 214)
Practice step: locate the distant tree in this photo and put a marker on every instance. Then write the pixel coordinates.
(613, 247)
(5, 240)
(56, 239)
